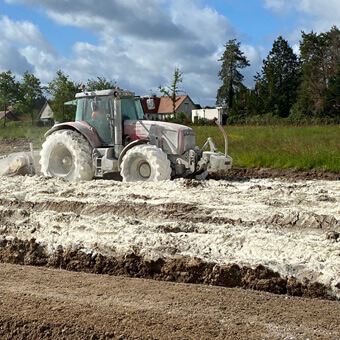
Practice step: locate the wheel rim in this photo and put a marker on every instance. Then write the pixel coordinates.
(60, 163)
(144, 170)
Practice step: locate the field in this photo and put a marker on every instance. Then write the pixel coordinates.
(269, 235)
(296, 147)
(255, 254)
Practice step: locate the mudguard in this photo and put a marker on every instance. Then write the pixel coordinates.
(82, 127)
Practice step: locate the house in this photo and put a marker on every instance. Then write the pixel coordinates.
(210, 114)
(9, 114)
(162, 106)
(46, 114)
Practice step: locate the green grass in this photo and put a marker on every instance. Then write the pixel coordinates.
(299, 147)
(17, 130)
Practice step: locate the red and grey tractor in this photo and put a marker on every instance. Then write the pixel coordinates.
(111, 136)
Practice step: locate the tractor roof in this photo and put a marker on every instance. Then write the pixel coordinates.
(110, 92)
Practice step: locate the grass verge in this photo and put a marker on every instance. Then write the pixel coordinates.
(18, 130)
(298, 147)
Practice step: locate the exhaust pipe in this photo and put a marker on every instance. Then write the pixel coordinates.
(225, 138)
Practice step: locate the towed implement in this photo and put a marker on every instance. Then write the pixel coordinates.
(111, 136)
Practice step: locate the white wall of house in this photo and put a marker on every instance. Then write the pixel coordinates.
(46, 112)
(207, 114)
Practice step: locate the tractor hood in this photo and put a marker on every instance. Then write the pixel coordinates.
(171, 138)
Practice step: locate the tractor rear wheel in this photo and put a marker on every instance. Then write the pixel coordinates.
(67, 154)
(145, 163)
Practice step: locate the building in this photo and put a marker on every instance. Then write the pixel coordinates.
(161, 107)
(9, 114)
(46, 114)
(210, 114)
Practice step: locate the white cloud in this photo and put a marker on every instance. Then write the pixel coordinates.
(22, 32)
(255, 59)
(12, 59)
(24, 48)
(322, 14)
(140, 43)
(276, 5)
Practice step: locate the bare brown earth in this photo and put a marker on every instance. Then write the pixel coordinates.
(40, 303)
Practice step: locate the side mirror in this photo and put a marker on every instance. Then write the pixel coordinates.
(150, 103)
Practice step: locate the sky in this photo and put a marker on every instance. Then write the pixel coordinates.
(139, 43)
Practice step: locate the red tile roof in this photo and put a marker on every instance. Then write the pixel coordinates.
(163, 105)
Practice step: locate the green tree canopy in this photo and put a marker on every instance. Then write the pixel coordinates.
(172, 90)
(332, 106)
(280, 79)
(232, 60)
(31, 93)
(101, 83)
(62, 90)
(9, 90)
(320, 56)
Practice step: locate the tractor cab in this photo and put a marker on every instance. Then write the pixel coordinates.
(104, 109)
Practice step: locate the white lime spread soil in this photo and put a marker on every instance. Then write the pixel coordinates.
(290, 227)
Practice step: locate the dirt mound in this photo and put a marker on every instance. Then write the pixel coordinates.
(288, 174)
(180, 269)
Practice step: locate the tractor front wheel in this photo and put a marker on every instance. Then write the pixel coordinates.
(145, 163)
(67, 154)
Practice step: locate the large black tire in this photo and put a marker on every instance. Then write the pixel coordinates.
(67, 154)
(146, 163)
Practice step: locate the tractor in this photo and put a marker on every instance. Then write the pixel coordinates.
(111, 136)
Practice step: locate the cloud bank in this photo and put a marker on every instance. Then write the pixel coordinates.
(140, 43)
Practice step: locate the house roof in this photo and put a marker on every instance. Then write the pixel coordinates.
(9, 115)
(163, 105)
(46, 112)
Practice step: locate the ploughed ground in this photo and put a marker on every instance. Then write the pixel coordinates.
(248, 255)
(42, 303)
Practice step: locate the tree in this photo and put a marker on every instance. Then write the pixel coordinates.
(254, 104)
(332, 105)
(62, 90)
(9, 90)
(320, 56)
(31, 93)
(100, 84)
(279, 79)
(172, 90)
(232, 60)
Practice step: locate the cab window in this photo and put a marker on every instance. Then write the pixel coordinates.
(128, 109)
(96, 112)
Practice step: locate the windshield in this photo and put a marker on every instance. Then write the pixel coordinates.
(94, 111)
(139, 108)
(131, 109)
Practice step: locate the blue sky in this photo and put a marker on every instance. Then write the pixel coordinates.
(139, 43)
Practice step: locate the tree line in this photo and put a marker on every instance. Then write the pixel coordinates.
(28, 95)
(289, 87)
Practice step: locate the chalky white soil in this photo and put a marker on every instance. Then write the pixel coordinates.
(290, 227)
